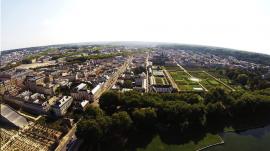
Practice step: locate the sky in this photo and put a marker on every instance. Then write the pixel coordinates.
(238, 24)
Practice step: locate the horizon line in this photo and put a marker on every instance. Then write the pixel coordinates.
(153, 42)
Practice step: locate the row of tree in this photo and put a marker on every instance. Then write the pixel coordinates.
(122, 112)
(96, 126)
(189, 108)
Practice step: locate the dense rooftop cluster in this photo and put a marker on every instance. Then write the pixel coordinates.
(53, 88)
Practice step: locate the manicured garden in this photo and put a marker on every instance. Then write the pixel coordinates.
(208, 81)
(224, 79)
(159, 76)
(161, 80)
(183, 81)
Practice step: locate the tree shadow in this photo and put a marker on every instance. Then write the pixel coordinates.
(135, 139)
(175, 137)
(140, 139)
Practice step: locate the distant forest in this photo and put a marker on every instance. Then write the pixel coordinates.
(225, 52)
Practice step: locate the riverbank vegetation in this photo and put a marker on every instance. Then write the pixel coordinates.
(188, 116)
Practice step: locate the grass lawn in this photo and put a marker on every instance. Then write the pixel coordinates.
(208, 81)
(183, 81)
(159, 80)
(213, 82)
(172, 68)
(158, 145)
(185, 84)
(179, 75)
(224, 79)
(229, 129)
(165, 81)
(185, 87)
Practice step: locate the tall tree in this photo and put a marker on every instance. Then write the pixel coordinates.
(145, 118)
(109, 101)
(121, 121)
(242, 79)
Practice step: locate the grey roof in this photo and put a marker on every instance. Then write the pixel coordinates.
(12, 116)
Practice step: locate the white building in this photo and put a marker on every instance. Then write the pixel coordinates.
(61, 106)
(84, 104)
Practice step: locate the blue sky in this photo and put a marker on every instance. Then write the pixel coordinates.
(239, 24)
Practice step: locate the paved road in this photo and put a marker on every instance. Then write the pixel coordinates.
(70, 136)
(112, 80)
(67, 138)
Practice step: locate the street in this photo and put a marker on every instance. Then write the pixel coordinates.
(70, 136)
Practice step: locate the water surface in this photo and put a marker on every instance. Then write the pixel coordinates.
(249, 140)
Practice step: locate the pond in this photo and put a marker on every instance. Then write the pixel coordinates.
(250, 140)
(257, 139)
(172, 141)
